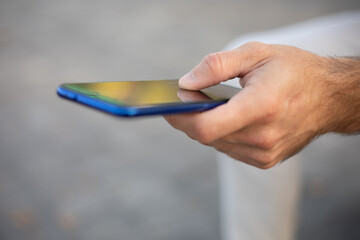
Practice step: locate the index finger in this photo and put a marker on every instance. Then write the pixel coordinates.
(222, 66)
(213, 124)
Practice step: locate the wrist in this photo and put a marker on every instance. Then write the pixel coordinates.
(341, 85)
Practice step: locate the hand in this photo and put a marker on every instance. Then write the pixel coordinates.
(286, 101)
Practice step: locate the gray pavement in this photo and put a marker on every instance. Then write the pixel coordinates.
(67, 172)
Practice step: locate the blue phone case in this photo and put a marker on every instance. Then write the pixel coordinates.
(133, 111)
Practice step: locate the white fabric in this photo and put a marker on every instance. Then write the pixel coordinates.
(262, 204)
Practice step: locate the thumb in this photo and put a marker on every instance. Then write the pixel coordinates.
(222, 66)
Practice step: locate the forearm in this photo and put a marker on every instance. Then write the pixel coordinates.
(344, 94)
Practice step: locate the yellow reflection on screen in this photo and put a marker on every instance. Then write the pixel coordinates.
(132, 93)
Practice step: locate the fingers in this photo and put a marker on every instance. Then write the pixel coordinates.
(222, 66)
(259, 153)
(254, 156)
(265, 138)
(208, 126)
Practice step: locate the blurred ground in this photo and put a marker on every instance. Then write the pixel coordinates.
(67, 172)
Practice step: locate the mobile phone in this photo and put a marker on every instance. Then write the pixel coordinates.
(138, 98)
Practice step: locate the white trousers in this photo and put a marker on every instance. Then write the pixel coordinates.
(263, 204)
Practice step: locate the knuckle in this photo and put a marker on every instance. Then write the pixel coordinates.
(204, 139)
(255, 45)
(265, 167)
(266, 161)
(256, 49)
(213, 62)
(267, 141)
(271, 108)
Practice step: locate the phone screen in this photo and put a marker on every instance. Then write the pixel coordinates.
(144, 93)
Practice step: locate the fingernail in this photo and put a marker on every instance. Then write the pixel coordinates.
(189, 78)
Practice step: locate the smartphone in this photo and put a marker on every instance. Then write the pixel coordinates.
(139, 98)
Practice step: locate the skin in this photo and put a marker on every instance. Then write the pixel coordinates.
(289, 97)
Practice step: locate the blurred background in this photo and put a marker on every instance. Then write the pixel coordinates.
(67, 172)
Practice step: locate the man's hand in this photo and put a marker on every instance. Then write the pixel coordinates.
(289, 97)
